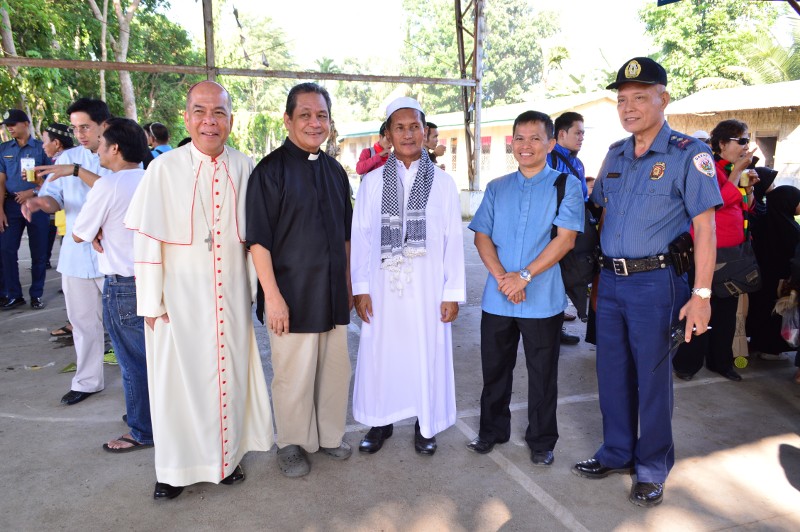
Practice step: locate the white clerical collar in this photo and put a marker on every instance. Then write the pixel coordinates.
(313, 156)
(411, 168)
(200, 156)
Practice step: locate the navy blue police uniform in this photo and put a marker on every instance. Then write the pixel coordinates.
(11, 154)
(649, 201)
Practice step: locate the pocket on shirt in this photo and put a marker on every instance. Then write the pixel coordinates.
(650, 204)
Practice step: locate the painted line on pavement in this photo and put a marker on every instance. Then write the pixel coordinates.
(537, 492)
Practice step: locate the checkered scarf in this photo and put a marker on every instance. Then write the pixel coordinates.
(393, 250)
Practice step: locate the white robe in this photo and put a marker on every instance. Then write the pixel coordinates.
(405, 356)
(208, 397)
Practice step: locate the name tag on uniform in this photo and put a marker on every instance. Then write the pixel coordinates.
(612, 175)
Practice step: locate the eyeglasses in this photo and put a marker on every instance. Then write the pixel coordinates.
(83, 129)
(741, 141)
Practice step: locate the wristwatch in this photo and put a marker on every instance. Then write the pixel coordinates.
(702, 293)
(76, 169)
(525, 275)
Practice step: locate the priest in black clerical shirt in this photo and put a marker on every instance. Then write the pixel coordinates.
(298, 231)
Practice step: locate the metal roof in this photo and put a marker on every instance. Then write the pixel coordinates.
(784, 94)
(500, 114)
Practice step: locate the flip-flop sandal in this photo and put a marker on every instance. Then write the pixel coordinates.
(63, 332)
(135, 446)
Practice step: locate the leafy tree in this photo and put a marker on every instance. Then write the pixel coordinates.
(701, 42)
(513, 59)
(768, 61)
(258, 102)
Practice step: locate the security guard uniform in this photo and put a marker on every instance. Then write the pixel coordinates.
(649, 201)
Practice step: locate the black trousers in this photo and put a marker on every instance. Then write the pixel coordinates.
(541, 340)
(715, 347)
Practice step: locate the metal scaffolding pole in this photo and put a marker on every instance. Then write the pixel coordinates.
(470, 24)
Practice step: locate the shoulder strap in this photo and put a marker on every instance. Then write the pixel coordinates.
(371, 151)
(557, 155)
(561, 186)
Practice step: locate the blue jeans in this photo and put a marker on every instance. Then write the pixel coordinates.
(38, 229)
(126, 330)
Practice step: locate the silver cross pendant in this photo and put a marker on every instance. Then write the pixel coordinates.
(209, 240)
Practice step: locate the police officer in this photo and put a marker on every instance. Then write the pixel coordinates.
(18, 157)
(652, 186)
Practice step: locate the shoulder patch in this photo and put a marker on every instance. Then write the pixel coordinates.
(680, 141)
(705, 164)
(617, 144)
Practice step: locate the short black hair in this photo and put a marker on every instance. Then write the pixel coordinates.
(725, 130)
(184, 141)
(382, 130)
(129, 138)
(159, 132)
(96, 109)
(305, 88)
(430, 125)
(535, 116)
(565, 121)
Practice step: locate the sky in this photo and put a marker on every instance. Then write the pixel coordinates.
(373, 29)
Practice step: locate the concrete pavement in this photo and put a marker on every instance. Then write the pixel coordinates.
(737, 449)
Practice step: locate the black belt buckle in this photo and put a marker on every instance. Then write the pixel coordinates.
(620, 266)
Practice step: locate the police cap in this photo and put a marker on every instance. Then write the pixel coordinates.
(640, 70)
(14, 116)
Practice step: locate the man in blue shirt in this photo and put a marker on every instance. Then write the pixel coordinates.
(524, 293)
(18, 157)
(652, 186)
(564, 158)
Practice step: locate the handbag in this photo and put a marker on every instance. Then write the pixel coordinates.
(736, 271)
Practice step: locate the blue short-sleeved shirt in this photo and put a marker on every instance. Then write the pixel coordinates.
(518, 214)
(10, 155)
(75, 259)
(650, 200)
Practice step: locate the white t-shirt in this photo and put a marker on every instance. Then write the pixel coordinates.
(105, 208)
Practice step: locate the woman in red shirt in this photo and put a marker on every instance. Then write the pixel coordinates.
(730, 144)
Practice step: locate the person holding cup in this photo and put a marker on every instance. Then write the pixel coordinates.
(730, 143)
(18, 157)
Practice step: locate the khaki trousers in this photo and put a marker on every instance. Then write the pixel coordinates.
(310, 387)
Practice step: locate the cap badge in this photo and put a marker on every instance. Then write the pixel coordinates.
(633, 69)
(6, 115)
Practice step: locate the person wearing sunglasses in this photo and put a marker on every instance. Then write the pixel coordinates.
(732, 156)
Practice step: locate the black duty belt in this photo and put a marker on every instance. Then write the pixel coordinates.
(629, 266)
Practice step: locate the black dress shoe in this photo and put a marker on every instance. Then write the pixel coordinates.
(647, 494)
(13, 303)
(37, 303)
(3, 300)
(480, 446)
(165, 491)
(236, 476)
(72, 397)
(731, 374)
(569, 339)
(684, 376)
(374, 439)
(423, 445)
(542, 458)
(592, 468)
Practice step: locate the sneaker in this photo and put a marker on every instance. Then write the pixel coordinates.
(772, 357)
(569, 339)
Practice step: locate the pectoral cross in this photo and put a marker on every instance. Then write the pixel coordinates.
(209, 240)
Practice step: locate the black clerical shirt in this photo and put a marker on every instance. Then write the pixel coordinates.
(299, 209)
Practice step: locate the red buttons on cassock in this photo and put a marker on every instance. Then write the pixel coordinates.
(223, 345)
(220, 309)
(218, 258)
(219, 233)
(219, 284)
(217, 206)
(217, 193)
(224, 382)
(220, 297)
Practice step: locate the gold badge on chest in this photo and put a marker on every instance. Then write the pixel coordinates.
(657, 172)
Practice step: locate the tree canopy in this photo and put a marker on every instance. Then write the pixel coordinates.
(704, 43)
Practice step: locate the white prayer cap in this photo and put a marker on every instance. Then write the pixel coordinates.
(403, 102)
(702, 135)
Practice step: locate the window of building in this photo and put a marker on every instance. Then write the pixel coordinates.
(486, 150)
(511, 163)
(453, 152)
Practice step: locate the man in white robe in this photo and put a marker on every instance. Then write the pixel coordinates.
(406, 288)
(195, 285)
